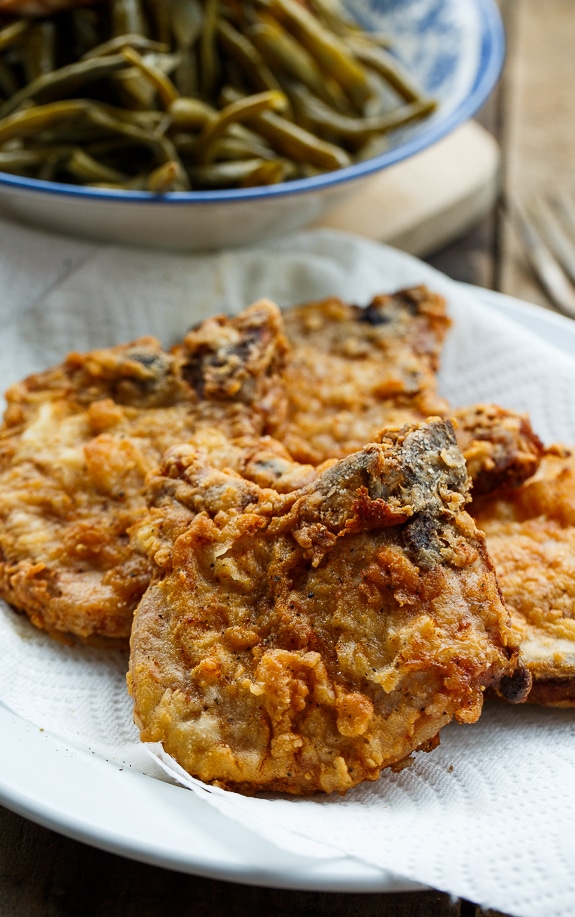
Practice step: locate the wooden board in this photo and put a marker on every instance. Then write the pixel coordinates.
(427, 201)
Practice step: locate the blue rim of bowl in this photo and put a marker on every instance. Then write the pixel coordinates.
(491, 59)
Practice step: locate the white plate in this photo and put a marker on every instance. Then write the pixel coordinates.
(117, 809)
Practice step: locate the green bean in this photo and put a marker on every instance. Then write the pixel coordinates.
(238, 110)
(279, 49)
(243, 173)
(103, 117)
(209, 65)
(136, 183)
(134, 90)
(241, 49)
(190, 114)
(167, 92)
(49, 167)
(137, 88)
(21, 161)
(374, 146)
(155, 94)
(39, 54)
(334, 17)
(187, 22)
(53, 86)
(358, 129)
(296, 143)
(161, 180)
(233, 148)
(241, 132)
(32, 121)
(14, 33)
(148, 121)
(388, 67)
(161, 147)
(160, 11)
(138, 42)
(88, 169)
(166, 177)
(328, 49)
(127, 16)
(276, 45)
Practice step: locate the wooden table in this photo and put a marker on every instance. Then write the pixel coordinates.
(532, 115)
(45, 875)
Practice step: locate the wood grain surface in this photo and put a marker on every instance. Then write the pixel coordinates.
(532, 114)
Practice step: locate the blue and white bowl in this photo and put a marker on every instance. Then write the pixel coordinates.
(453, 49)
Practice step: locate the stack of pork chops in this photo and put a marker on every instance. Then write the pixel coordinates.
(317, 561)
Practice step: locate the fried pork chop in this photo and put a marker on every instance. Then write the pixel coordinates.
(303, 641)
(500, 447)
(531, 539)
(78, 441)
(354, 370)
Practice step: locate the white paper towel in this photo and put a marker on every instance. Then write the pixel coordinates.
(490, 814)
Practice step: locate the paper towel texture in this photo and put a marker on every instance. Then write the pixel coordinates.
(489, 814)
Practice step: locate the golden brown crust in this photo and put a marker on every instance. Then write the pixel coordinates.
(355, 370)
(78, 441)
(500, 447)
(531, 537)
(303, 641)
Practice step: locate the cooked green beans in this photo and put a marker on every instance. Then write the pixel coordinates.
(172, 95)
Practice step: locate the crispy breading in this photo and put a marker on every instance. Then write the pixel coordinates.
(531, 538)
(303, 641)
(500, 447)
(76, 446)
(79, 439)
(354, 370)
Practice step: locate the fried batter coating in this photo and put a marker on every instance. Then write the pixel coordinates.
(531, 539)
(303, 641)
(76, 446)
(354, 370)
(500, 447)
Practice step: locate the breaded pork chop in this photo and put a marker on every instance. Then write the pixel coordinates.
(531, 538)
(500, 447)
(353, 371)
(303, 641)
(78, 441)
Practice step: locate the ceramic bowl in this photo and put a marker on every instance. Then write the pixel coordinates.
(453, 49)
